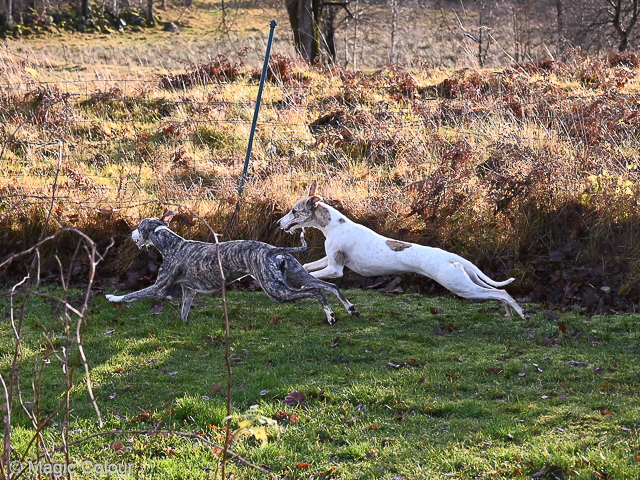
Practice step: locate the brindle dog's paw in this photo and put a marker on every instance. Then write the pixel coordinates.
(354, 311)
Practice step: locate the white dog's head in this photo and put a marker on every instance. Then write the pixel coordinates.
(308, 212)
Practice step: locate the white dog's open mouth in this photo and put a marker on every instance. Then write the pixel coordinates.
(290, 227)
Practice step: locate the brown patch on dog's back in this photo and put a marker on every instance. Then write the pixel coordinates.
(341, 257)
(323, 216)
(397, 246)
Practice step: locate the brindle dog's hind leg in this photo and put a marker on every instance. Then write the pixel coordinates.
(299, 276)
(188, 294)
(281, 292)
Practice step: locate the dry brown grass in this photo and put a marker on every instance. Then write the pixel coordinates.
(502, 167)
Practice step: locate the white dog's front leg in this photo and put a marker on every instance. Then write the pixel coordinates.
(317, 265)
(331, 271)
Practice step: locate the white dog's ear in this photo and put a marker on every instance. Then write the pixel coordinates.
(313, 201)
(312, 188)
(166, 218)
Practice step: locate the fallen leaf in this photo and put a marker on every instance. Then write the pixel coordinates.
(113, 395)
(303, 465)
(217, 451)
(335, 343)
(156, 307)
(562, 327)
(450, 328)
(276, 320)
(604, 411)
(216, 388)
(602, 474)
(551, 315)
(436, 311)
(598, 370)
(574, 363)
(495, 370)
(173, 373)
(540, 473)
(294, 398)
(264, 392)
(555, 473)
(116, 446)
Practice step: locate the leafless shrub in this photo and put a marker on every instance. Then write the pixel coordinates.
(220, 69)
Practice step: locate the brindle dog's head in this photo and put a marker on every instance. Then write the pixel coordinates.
(304, 213)
(142, 234)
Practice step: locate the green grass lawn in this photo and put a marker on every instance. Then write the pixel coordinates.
(401, 392)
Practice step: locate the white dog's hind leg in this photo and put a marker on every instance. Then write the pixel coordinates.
(317, 265)
(331, 271)
(463, 285)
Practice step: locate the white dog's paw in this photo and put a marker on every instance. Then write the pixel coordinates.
(114, 298)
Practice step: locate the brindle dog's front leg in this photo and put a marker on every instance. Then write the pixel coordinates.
(159, 289)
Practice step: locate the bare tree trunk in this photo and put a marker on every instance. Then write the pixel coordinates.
(83, 13)
(559, 24)
(355, 36)
(330, 33)
(394, 29)
(304, 17)
(480, 60)
(150, 21)
(9, 21)
(617, 21)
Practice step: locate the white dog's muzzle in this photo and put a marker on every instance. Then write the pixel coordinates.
(287, 223)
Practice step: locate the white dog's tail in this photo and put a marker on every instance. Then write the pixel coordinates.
(486, 279)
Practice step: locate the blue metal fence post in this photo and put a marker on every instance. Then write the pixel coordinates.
(263, 77)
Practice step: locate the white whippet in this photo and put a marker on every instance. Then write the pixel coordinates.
(370, 254)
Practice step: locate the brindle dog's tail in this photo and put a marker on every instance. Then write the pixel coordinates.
(299, 249)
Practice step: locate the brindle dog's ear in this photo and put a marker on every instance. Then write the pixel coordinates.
(312, 188)
(313, 201)
(166, 218)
